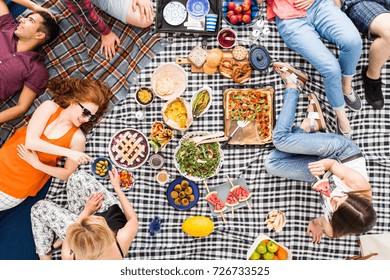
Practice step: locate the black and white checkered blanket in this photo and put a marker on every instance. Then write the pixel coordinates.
(231, 240)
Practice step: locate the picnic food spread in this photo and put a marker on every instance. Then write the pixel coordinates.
(250, 105)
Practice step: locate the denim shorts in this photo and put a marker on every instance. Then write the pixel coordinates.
(362, 13)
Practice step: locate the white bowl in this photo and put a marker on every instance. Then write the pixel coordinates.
(262, 237)
(190, 135)
(210, 91)
(174, 72)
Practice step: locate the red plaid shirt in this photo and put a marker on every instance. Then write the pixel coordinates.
(84, 10)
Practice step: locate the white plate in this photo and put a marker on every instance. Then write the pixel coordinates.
(141, 158)
(174, 13)
(190, 135)
(257, 242)
(210, 91)
(198, 8)
(176, 73)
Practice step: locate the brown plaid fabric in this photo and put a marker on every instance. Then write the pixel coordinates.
(76, 53)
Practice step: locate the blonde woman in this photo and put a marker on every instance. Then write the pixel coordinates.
(95, 225)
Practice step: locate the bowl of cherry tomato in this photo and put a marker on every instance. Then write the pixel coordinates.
(127, 179)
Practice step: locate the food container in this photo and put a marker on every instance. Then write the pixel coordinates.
(227, 38)
(255, 14)
(185, 108)
(169, 81)
(144, 96)
(262, 237)
(260, 59)
(207, 107)
(100, 167)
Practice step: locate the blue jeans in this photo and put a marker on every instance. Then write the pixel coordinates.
(295, 148)
(303, 35)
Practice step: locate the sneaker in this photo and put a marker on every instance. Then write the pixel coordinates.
(353, 101)
(347, 135)
(373, 91)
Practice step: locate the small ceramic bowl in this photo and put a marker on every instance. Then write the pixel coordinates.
(100, 167)
(210, 91)
(227, 38)
(144, 96)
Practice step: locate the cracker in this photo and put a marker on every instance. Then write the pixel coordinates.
(240, 53)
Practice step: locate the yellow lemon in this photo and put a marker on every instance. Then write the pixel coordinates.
(198, 226)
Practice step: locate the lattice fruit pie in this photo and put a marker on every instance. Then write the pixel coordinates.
(129, 149)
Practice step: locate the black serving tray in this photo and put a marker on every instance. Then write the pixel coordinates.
(181, 31)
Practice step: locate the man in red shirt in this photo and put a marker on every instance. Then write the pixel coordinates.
(22, 68)
(134, 12)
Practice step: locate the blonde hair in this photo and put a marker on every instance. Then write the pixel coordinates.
(90, 238)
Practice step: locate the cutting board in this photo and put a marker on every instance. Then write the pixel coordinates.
(194, 69)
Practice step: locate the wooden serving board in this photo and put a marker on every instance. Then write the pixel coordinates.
(194, 69)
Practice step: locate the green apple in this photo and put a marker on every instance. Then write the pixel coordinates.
(268, 255)
(272, 247)
(255, 256)
(261, 248)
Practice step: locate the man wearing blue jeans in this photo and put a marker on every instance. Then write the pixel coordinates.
(302, 24)
(372, 19)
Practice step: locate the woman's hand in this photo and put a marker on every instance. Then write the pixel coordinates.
(79, 157)
(108, 45)
(94, 203)
(145, 9)
(303, 4)
(115, 178)
(30, 156)
(317, 168)
(316, 231)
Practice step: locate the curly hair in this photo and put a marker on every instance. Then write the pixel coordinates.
(90, 238)
(356, 215)
(71, 90)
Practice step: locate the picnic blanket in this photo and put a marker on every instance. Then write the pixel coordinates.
(76, 53)
(231, 240)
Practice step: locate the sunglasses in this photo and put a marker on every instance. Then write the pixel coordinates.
(87, 114)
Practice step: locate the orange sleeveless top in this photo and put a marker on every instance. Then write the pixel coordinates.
(18, 178)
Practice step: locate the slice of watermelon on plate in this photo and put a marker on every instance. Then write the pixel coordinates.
(322, 186)
(231, 200)
(240, 193)
(213, 199)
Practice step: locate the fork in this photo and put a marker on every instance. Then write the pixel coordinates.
(239, 124)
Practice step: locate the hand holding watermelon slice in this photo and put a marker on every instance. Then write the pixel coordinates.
(322, 186)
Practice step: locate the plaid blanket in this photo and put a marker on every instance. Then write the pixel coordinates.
(76, 54)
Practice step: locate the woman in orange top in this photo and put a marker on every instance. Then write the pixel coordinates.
(30, 156)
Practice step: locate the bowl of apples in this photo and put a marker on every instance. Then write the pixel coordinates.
(240, 13)
(265, 248)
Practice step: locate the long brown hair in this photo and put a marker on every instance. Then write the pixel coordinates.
(71, 90)
(356, 215)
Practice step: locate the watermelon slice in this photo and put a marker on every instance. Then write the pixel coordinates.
(240, 193)
(231, 200)
(213, 199)
(322, 186)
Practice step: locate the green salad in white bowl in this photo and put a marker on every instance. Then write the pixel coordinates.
(198, 162)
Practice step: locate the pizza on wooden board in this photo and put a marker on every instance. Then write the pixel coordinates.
(253, 105)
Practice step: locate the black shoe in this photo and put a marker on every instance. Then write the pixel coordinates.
(373, 90)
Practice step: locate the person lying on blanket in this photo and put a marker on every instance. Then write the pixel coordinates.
(134, 12)
(30, 156)
(94, 225)
(303, 24)
(304, 153)
(21, 67)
